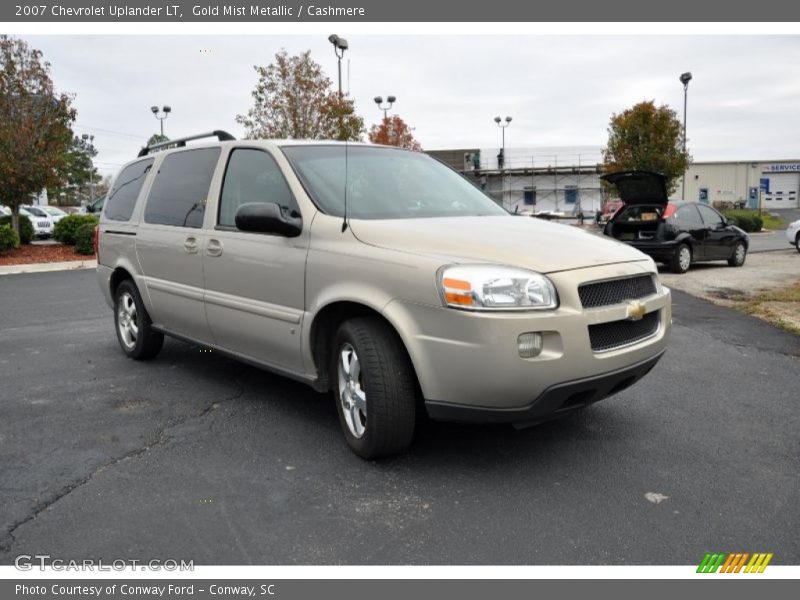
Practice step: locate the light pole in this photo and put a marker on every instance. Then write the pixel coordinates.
(685, 79)
(502, 125)
(339, 46)
(155, 111)
(379, 101)
(90, 139)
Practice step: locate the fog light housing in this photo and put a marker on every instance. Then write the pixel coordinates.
(530, 344)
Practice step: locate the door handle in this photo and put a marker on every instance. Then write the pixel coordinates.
(190, 245)
(214, 248)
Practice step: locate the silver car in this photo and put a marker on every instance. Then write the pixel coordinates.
(379, 274)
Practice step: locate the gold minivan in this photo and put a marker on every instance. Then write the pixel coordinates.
(377, 273)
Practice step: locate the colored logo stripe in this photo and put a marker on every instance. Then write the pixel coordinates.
(734, 562)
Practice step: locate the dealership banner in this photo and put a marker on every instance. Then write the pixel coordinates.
(37, 11)
(398, 589)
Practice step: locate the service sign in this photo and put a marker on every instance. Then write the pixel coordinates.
(782, 168)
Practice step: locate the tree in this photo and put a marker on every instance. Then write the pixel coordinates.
(35, 126)
(294, 99)
(393, 131)
(78, 172)
(157, 138)
(647, 138)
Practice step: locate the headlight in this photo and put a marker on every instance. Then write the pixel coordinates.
(489, 287)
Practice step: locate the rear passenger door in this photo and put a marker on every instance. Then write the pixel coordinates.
(170, 241)
(255, 282)
(688, 219)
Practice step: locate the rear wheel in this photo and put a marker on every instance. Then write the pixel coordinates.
(739, 255)
(682, 259)
(373, 388)
(797, 242)
(136, 336)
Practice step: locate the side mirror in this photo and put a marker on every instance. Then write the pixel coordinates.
(89, 208)
(267, 217)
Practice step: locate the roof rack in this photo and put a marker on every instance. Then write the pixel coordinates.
(222, 136)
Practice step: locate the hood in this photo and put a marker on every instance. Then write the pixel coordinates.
(639, 187)
(507, 240)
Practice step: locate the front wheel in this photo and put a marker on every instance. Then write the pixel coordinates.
(374, 388)
(681, 260)
(797, 242)
(136, 336)
(739, 254)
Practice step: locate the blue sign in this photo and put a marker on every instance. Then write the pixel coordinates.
(764, 184)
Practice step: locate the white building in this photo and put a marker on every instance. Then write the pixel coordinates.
(739, 181)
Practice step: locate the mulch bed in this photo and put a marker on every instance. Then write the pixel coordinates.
(29, 253)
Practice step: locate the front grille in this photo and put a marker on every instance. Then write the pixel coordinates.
(44, 224)
(616, 291)
(607, 336)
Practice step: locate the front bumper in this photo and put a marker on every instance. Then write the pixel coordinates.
(555, 401)
(468, 363)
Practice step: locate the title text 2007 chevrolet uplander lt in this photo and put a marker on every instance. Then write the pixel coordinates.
(378, 273)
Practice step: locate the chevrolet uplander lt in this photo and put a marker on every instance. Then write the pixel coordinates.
(379, 274)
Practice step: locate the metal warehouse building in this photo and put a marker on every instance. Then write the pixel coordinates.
(738, 182)
(567, 179)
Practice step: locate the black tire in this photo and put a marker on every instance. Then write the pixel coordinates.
(797, 242)
(678, 263)
(386, 384)
(147, 343)
(739, 255)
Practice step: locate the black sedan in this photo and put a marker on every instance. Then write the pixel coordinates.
(675, 233)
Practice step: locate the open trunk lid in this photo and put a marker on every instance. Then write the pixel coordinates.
(639, 187)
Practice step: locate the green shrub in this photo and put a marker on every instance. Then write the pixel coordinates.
(9, 238)
(25, 228)
(67, 227)
(84, 239)
(746, 219)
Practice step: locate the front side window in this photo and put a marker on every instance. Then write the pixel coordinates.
(253, 176)
(122, 198)
(179, 192)
(385, 183)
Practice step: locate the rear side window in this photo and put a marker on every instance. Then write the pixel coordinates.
(179, 192)
(122, 199)
(687, 216)
(253, 176)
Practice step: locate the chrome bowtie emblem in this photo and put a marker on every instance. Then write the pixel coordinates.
(636, 310)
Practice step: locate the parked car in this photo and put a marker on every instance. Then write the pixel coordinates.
(608, 210)
(4, 211)
(95, 207)
(793, 234)
(54, 212)
(675, 233)
(71, 210)
(377, 273)
(41, 221)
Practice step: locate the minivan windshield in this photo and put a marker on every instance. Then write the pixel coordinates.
(385, 183)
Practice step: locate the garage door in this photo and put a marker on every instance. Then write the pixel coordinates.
(783, 190)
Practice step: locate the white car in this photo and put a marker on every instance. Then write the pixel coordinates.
(5, 211)
(793, 234)
(55, 213)
(41, 221)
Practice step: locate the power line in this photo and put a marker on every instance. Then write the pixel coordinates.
(110, 131)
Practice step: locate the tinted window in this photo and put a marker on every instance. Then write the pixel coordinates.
(179, 193)
(253, 176)
(687, 216)
(122, 198)
(710, 216)
(384, 183)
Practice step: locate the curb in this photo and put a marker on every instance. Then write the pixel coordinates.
(68, 265)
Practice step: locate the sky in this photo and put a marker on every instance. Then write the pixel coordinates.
(560, 90)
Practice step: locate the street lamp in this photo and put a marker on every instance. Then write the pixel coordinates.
(339, 46)
(90, 139)
(502, 125)
(385, 109)
(685, 79)
(167, 110)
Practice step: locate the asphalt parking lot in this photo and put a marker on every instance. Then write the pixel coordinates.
(193, 456)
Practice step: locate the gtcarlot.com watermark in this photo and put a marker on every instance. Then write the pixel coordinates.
(28, 562)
